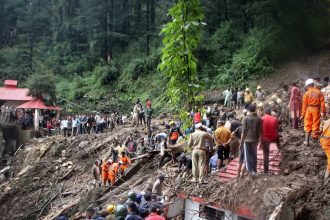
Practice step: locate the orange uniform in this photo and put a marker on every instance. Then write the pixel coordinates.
(325, 141)
(312, 106)
(105, 172)
(126, 162)
(114, 169)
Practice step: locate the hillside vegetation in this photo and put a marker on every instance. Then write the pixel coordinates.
(106, 53)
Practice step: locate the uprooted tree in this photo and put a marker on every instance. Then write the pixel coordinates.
(181, 37)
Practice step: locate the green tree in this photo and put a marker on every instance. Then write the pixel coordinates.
(42, 85)
(181, 37)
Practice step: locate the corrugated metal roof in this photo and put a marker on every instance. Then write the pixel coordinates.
(274, 164)
(11, 83)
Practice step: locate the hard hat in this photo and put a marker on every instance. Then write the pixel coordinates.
(260, 105)
(132, 196)
(121, 211)
(245, 111)
(172, 123)
(309, 82)
(259, 87)
(111, 208)
(247, 89)
(279, 101)
(109, 161)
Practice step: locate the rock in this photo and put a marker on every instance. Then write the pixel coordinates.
(274, 196)
(83, 144)
(281, 212)
(2, 178)
(36, 178)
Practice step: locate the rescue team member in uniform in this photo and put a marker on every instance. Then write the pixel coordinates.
(325, 142)
(126, 162)
(105, 172)
(313, 108)
(114, 170)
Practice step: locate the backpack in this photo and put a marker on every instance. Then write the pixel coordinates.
(174, 135)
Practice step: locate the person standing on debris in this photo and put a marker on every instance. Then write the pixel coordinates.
(313, 108)
(175, 133)
(260, 95)
(115, 170)
(158, 185)
(105, 172)
(251, 135)
(64, 126)
(248, 98)
(126, 162)
(221, 138)
(96, 174)
(142, 148)
(326, 93)
(325, 143)
(197, 141)
(136, 114)
(227, 96)
(269, 135)
(295, 105)
(185, 165)
(149, 112)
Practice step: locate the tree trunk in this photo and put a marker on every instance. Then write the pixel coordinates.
(148, 26)
(152, 15)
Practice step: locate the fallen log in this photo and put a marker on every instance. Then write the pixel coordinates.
(95, 148)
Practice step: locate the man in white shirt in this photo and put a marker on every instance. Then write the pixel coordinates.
(64, 126)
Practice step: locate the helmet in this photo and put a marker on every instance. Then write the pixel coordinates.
(111, 208)
(247, 90)
(309, 82)
(109, 161)
(172, 123)
(259, 87)
(131, 196)
(279, 101)
(121, 211)
(260, 105)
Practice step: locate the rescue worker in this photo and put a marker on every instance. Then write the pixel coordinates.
(248, 98)
(91, 214)
(312, 108)
(131, 197)
(221, 138)
(111, 212)
(175, 133)
(105, 172)
(260, 95)
(121, 212)
(115, 170)
(133, 211)
(295, 105)
(126, 162)
(325, 142)
(326, 93)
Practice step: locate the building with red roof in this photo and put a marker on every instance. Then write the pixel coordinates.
(12, 95)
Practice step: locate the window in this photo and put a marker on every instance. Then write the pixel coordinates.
(210, 213)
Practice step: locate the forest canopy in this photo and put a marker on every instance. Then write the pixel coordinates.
(110, 49)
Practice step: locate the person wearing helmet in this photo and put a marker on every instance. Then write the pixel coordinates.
(114, 170)
(295, 105)
(175, 133)
(105, 172)
(260, 95)
(121, 212)
(248, 98)
(131, 197)
(313, 108)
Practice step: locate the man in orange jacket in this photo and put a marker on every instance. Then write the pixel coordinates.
(313, 107)
(126, 162)
(325, 142)
(105, 172)
(114, 170)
